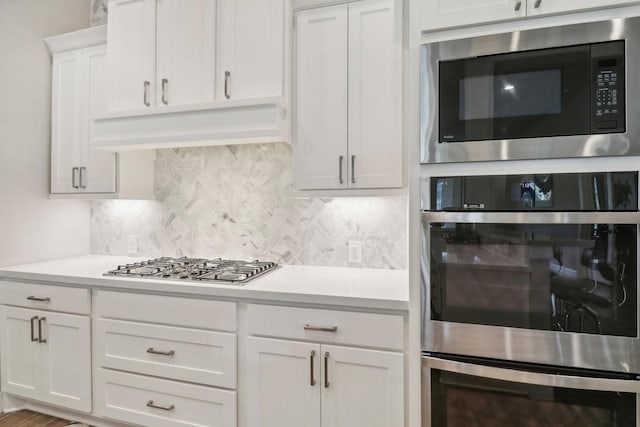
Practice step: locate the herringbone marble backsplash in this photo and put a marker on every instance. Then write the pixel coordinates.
(236, 202)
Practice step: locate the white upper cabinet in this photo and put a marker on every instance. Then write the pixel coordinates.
(375, 95)
(438, 14)
(441, 14)
(541, 7)
(131, 42)
(161, 52)
(321, 98)
(348, 96)
(185, 52)
(197, 72)
(79, 92)
(251, 48)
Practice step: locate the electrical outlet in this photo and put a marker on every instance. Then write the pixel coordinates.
(132, 244)
(354, 251)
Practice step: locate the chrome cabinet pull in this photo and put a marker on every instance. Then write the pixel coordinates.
(340, 170)
(309, 327)
(537, 4)
(33, 332)
(83, 177)
(326, 369)
(518, 5)
(45, 299)
(74, 176)
(312, 356)
(353, 169)
(146, 99)
(165, 96)
(40, 339)
(227, 76)
(150, 404)
(162, 353)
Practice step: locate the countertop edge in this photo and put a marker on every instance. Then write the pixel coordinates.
(171, 288)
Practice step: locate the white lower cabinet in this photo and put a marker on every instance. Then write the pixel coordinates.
(46, 356)
(165, 361)
(319, 384)
(157, 402)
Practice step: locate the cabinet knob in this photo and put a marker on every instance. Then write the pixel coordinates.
(537, 4)
(518, 5)
(340, 180)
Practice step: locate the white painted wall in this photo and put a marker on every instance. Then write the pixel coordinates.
(33, 227)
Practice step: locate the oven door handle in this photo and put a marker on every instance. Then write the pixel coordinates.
(526, 377)
(533, 217)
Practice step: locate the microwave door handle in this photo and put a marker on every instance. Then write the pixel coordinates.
(534, 378)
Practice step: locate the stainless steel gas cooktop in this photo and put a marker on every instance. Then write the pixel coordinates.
(196, 269)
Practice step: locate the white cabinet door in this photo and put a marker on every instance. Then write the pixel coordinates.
(186, 34)
(438, 14)
(100, 165)
(320, 116)
(543, 7)
(131, 45)
(251, 48)
(46, 356)
(66, 121)
(66, 360)
(365, 388)
(21, 353)
(283, 383)
(375, 94)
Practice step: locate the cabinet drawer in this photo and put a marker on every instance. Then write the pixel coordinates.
(189, 312)
(340, 327)
(45, 297)
(161, 403)
(192, 355)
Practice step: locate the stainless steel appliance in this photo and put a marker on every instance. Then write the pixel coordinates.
(544, 93)
(535, 268)
(197, 269)
(530, 300)
(463, 392)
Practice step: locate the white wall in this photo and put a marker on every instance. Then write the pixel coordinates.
(33, 227)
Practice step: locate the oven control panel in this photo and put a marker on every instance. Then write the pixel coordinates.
(608, 93)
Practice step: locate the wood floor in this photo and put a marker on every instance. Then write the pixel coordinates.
(30, 419)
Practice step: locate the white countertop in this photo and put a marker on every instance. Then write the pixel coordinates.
(353, 287)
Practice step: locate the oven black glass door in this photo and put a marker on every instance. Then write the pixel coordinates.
(538, 93)
(461, 400)
(555, 277)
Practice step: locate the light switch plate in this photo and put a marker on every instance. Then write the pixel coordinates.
(132, 244)
(354, 251)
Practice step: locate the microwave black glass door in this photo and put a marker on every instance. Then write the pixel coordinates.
(526, 94)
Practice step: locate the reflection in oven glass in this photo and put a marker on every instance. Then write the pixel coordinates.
(561, 277)
(460, 400)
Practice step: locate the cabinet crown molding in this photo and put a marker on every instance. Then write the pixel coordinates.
(77, 40)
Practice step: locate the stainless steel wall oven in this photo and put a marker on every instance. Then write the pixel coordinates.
(530, 299)
(544, 93)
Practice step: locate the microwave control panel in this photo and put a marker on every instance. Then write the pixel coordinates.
(608, 82)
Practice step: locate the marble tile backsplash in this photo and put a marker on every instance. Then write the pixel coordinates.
(237, 202)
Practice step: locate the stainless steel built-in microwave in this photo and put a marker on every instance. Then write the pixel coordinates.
(546, 93)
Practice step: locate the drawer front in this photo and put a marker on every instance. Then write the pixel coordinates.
(197, 356)
(45, 297)
(189, 312)
(330, 326)
(161, 403)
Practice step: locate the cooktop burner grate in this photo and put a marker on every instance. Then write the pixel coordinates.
(195, 269)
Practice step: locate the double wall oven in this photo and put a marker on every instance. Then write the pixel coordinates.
(530, 300)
